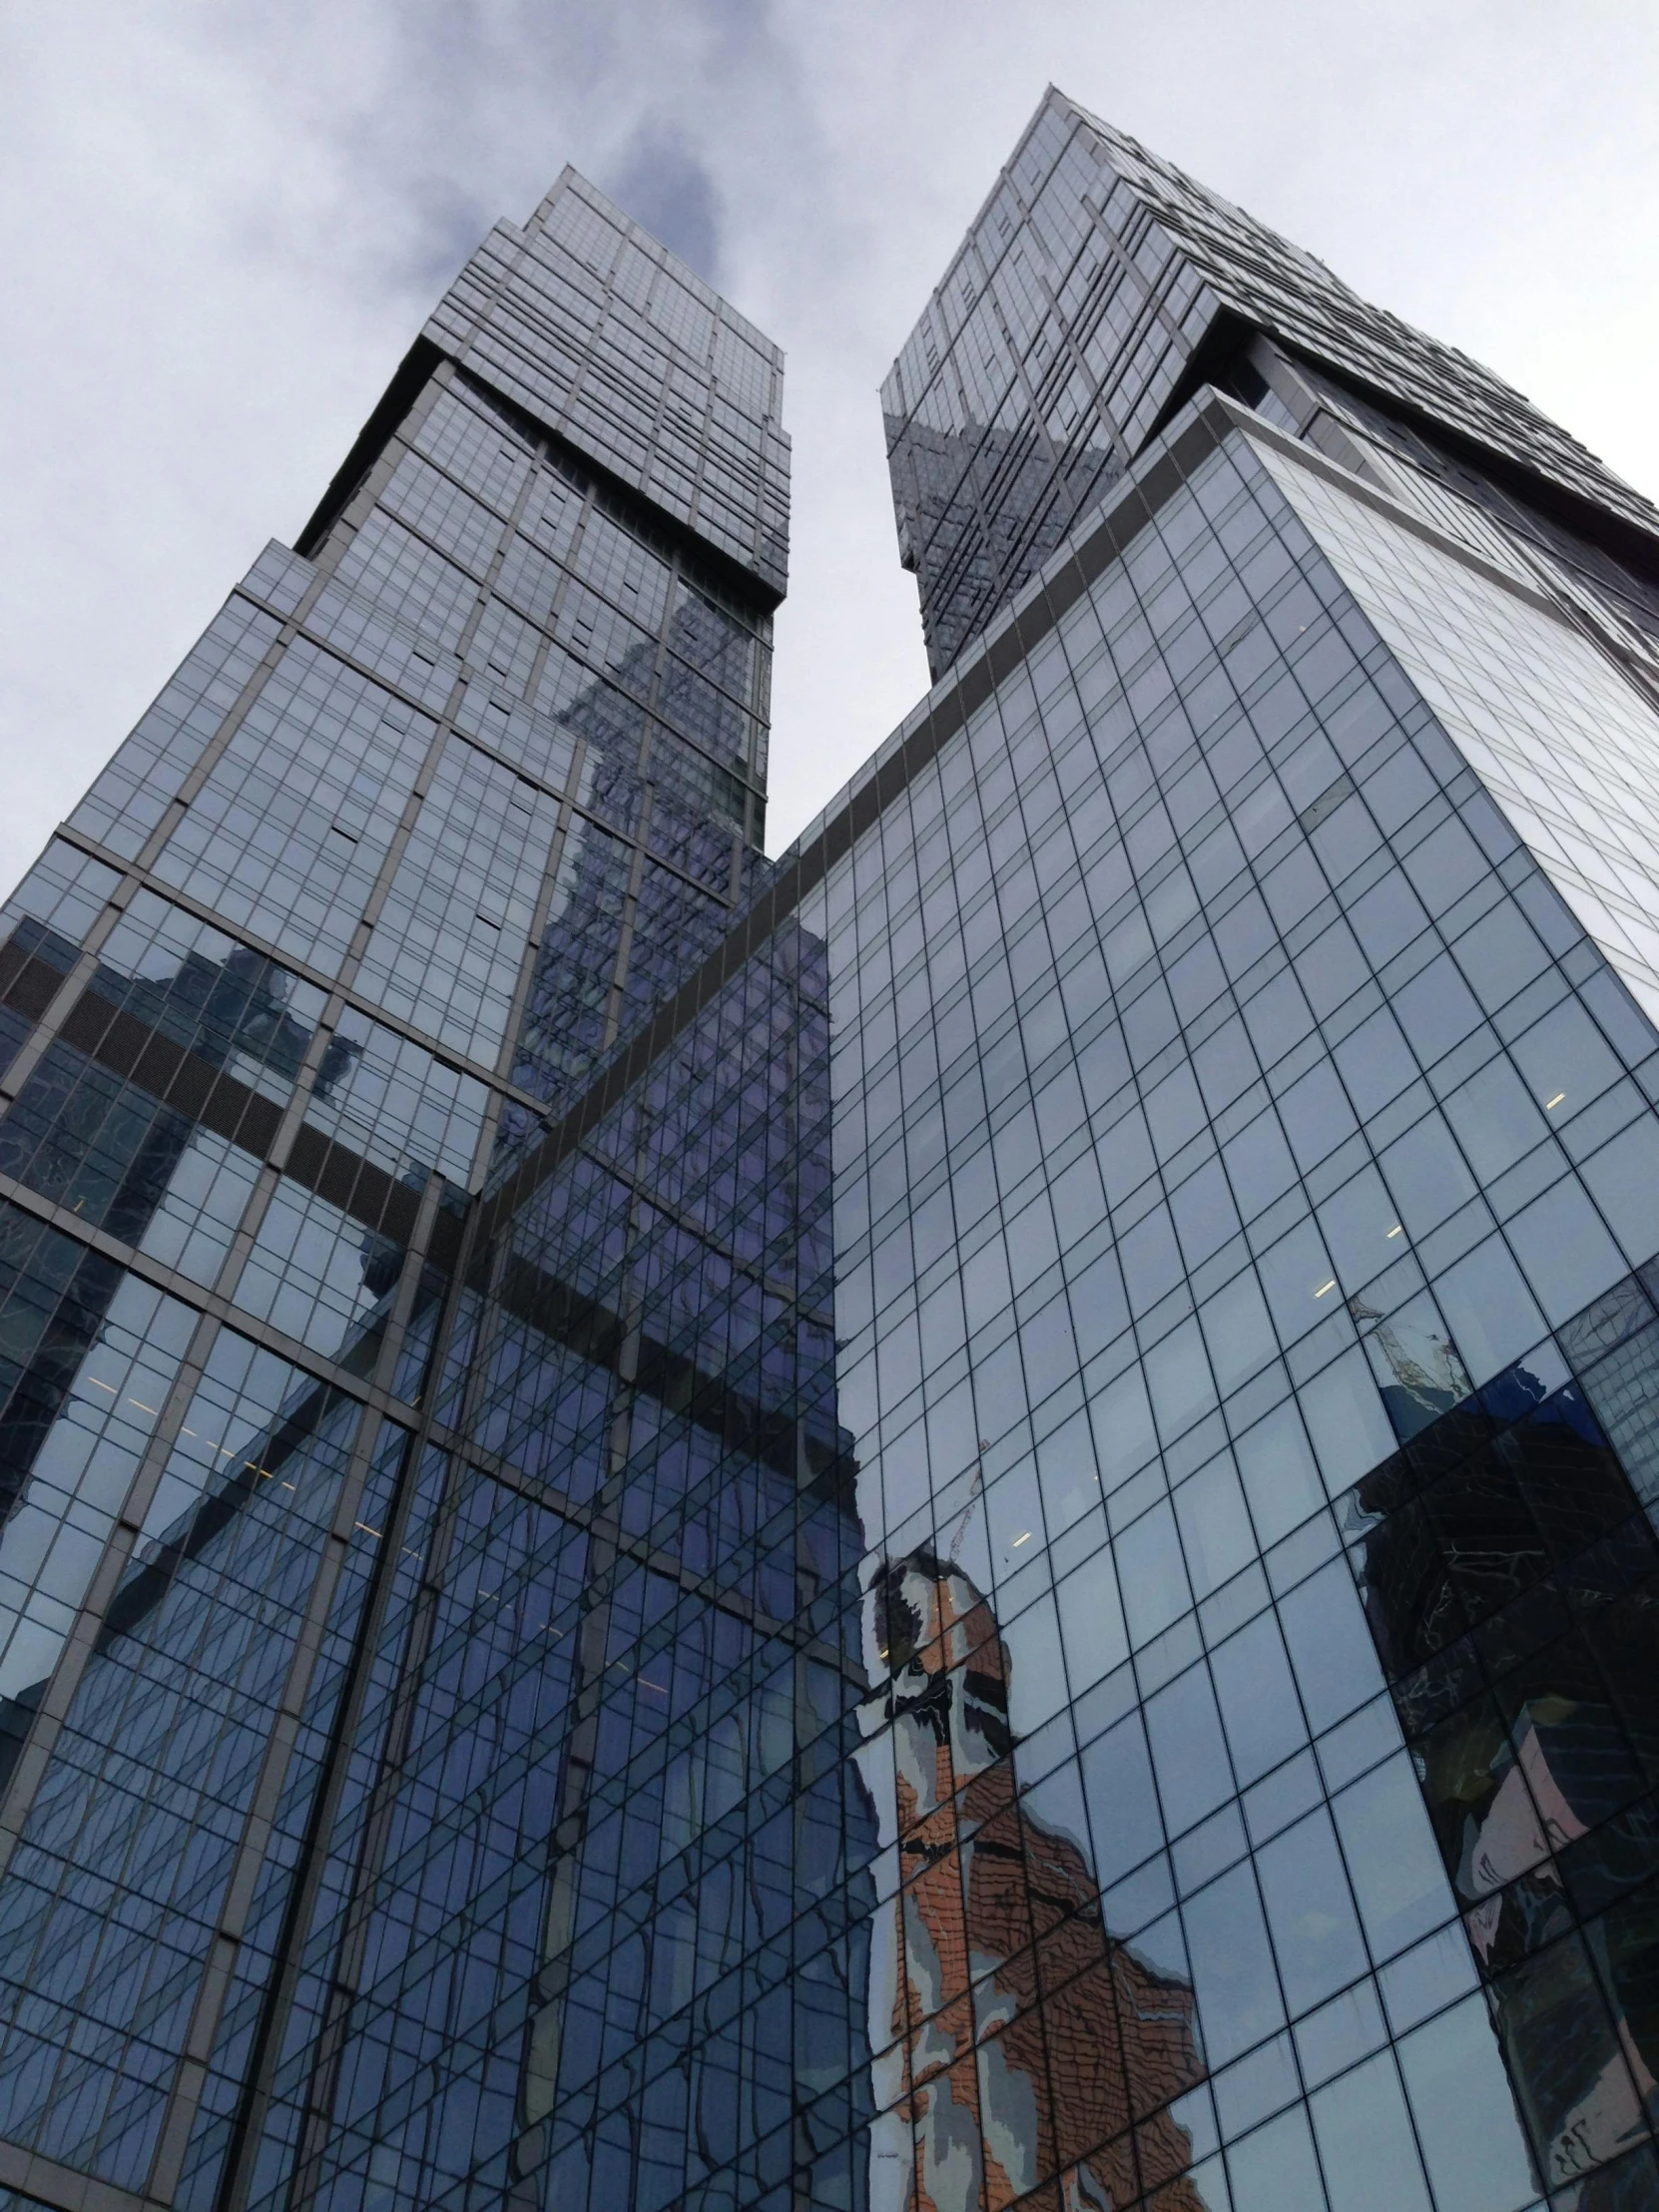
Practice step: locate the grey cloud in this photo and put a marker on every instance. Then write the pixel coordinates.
(447, 221)
(663, 185)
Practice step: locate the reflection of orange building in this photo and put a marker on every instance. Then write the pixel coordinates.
(1035, 2046)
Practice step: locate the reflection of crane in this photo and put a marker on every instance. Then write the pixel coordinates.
(1427, 1390)
(974, 1488)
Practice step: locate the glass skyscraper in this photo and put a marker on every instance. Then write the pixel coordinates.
(1243, 981)
(964, 1520)
(432, 1682)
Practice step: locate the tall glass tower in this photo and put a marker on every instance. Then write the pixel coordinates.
(964, 1521)
(430, 1672)
(1243, 979)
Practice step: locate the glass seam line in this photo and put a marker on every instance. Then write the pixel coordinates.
(63, 2187)
(570, 1809)
(254, 2099)
(78, 1645)
(503, 1088)
(353, 1916)
(191, 2077)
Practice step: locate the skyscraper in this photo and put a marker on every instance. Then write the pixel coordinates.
(538, 1677)
(426, 1695)
(1247, 1196)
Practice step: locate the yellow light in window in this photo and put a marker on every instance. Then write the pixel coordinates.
(1325, 1286)
(1397, 1230)
(1018, 1540)
(1551, 1103)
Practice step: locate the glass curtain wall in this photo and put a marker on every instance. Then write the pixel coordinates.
(1245, 1195)
(968, 1521)
(423, 1696)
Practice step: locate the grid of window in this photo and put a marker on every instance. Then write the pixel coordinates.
(439, 511)
(446, 950)
(261, 1148)
(286, 835)
(661, 345)
(128, 801)
(58, 1525)
(1565, 745)
(112, 1893)
(278, 579)
(1281, 289)
(565, 1020)
(1075, 305)
(1035, 374)
(636, 1649)
(472, 442)
(319, 1277)
(396, 1105)
(215, 997)
(259, 1952)
(389, 574)
(62, 895)
(1221, 1094)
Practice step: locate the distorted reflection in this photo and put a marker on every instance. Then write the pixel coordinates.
(1417, 1368)
(1028, 2044)
(1511, 1581)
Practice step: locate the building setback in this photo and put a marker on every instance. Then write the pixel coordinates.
(537, 1675)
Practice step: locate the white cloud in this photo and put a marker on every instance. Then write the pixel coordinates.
(222, 224)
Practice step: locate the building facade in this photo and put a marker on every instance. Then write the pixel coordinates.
(429, 1565)
(967, 1521)
(1246, 1196)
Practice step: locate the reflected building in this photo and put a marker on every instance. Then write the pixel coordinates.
(1508, 1576)
(1026, 2039)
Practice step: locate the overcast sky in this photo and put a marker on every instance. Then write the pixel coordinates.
(224, 220)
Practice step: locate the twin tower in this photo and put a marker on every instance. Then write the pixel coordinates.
(962, 1520)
